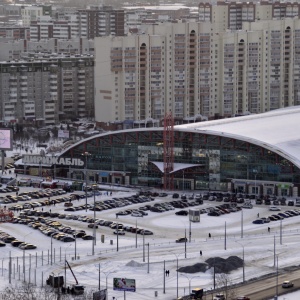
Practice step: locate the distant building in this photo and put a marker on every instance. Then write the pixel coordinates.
(32, 13)
(47, 90)
(197, 69)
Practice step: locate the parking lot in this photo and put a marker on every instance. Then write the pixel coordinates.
(128, 218)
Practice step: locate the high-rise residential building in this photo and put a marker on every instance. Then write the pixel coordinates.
(32, 13)
(195, 69)
(46, 90)
(18, 49)
(232, 14)
(100, 21)
(46, 28)
(14, 32)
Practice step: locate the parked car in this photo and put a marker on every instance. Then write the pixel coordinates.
(287, 284)
(274, 208)
(242, 298)
(182, 213)
(119, 232)
(258, 221)
(182, 240)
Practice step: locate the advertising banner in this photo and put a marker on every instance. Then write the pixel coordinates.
(124, 284)
(5, 139)
(63, 134)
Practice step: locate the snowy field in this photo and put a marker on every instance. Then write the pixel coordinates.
(131, 259)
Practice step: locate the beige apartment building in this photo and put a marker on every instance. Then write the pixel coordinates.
(194, 69)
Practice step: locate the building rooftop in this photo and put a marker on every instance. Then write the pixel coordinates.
(277, 130)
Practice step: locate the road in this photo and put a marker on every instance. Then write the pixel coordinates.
(266, 288)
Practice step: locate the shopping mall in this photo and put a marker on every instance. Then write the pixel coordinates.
(255, 154)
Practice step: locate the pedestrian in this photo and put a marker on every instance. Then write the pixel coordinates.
(209, 235)
(166, 273)
(16, 175)
(269, 229)
(200, 252)
(50, 211)
(110, 193)
(258, 215)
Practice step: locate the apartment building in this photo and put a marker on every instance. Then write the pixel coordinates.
(46, 90)
(46, 28)
(195, 69)
(232, 15)
(17, 49)
(14, 32)
(100, 21)
(32, 13)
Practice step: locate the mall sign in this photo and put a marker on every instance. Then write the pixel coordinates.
(51, 160)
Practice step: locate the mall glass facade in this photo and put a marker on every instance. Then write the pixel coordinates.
(217, 160)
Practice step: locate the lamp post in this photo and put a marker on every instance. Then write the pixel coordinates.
(94, 226)
(255, 174)
(190, 279)
(177, 255)
(276, 296)
(86, 154)
(40, 167)
(52, 246)
(243, 259)
(24, 251)
(106, 277)
(183, 180)
(54, 167)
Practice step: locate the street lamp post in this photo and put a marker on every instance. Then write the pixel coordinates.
(177, 255)
(52, 246)
(255, 174)
(243, 259)
(24, 251)
(94, 227)
(190, 279)
(86, 154)
(183, 180)
(106, 277)
(276, 296)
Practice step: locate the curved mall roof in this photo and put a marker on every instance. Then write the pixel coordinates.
(277, 130)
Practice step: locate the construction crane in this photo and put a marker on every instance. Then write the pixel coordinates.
(76, 289)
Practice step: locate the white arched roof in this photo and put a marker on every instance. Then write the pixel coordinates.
(277, 130)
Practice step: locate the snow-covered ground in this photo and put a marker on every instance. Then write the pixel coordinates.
(131, 259)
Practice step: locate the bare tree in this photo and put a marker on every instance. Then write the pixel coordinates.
(224, 285)
(31, 292)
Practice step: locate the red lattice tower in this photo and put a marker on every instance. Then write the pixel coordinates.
(168, 151)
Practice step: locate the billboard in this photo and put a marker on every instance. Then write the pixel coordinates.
(6, 139)
(63, 134)
(124, 284)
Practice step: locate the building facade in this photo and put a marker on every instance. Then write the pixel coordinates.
(195, 69)
(46, 91)
(257, 154)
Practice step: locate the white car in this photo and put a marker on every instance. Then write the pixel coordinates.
(274, 208)
(119, 232)
(136, 214)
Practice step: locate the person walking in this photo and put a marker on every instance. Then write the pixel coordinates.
(200, 252)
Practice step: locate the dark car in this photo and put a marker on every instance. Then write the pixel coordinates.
(182, 213)
(87, 237)
(175, 196)
(181, 240)
(258, 221)
(214, 214)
